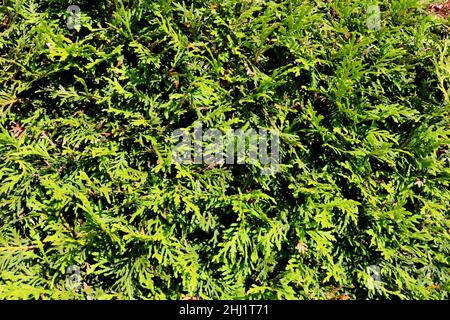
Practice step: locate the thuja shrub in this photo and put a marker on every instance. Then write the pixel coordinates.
(92, 205)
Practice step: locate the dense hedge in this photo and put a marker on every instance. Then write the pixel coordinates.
(87, 180)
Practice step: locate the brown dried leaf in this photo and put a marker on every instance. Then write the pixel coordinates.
(17, 130)
(185, 297)
(442, 10)
(301, 247)
(4, 23)
(418, 183)
(47, 164)
(344, 296)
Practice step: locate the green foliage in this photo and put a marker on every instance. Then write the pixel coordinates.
(87, 178)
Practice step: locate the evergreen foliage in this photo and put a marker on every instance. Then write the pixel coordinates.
(87, 179)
